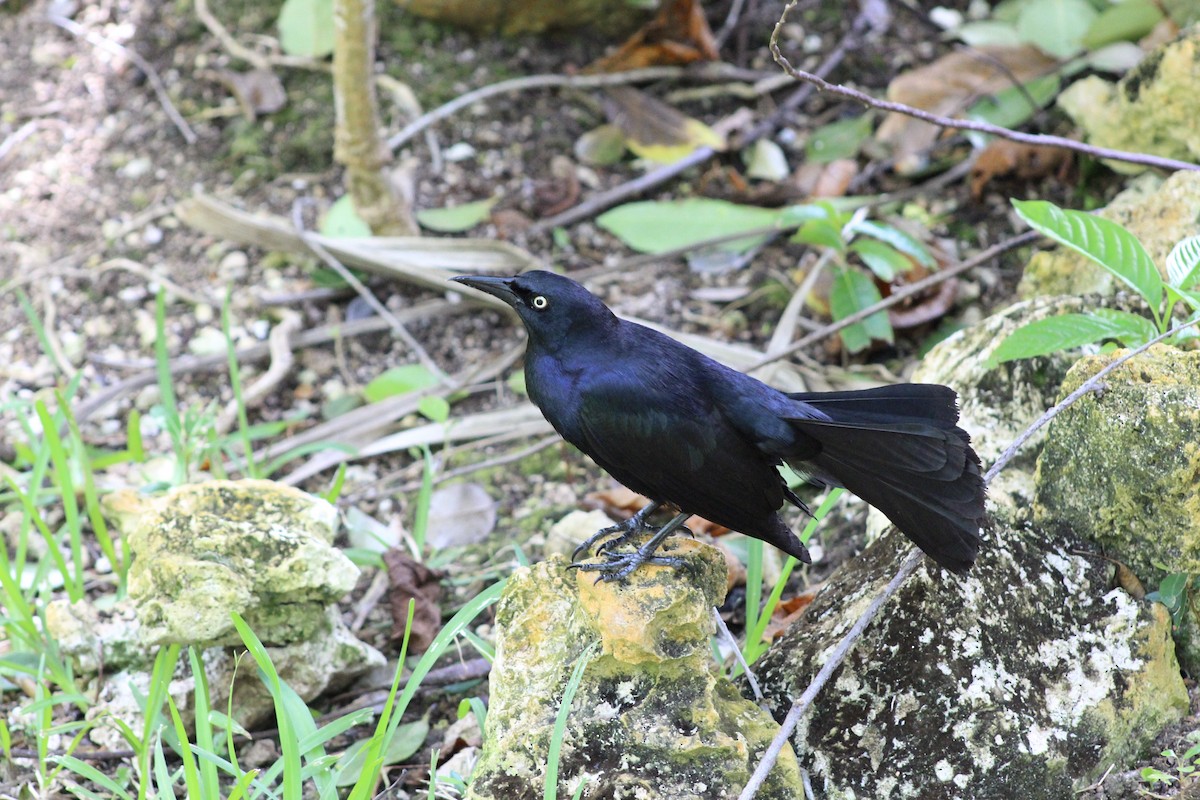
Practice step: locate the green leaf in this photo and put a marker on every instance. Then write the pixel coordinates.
(456, 219)
(516, 383)
(1056, 26)
(399, 380)
(434, 408)
(841, 139)
(882, 259)
(1011, 107)
(1131, 330)
(1183, 263)
(1127, 21)
(601, 147)
(853, 291)
(791, 216)
(343, 222)
(896, 238)
(404, 744)
(1067, 331)
(1105, 242)
(820, 233)
(306, 28)
(988, 32)
(659, 226)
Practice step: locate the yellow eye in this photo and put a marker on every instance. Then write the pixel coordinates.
(540, 302)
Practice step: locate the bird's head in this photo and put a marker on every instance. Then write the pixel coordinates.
(550, 305)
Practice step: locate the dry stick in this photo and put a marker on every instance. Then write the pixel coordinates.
(835, 659)
(910, 564)
(899, 295)
(220, 361)
(160, 89)
(964, 124)
(523, 84)
(598, 202)
(366, 294)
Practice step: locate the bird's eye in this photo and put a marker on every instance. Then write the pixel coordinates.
(540, 302)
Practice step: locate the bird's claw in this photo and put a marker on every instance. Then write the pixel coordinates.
(616, 566)
(627, 530)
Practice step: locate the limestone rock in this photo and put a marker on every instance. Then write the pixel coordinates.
(652, 717)
(1138, 491)
(256, 547)
(1029, 678)
(1152, 109)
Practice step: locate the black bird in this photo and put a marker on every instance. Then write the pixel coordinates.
(682, 429)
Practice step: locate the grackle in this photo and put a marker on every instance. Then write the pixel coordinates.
(684, 430)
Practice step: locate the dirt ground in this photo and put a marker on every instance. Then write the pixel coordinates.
(91, 168)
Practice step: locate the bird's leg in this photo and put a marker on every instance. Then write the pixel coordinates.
(630, 527)
(617, 565)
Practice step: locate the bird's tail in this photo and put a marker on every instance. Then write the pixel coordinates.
(899, 448)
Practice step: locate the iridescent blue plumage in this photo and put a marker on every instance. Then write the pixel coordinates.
(682, 429)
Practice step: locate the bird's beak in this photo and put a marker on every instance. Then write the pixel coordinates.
(499, 288)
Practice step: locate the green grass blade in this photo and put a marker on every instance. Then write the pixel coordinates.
(550, 789)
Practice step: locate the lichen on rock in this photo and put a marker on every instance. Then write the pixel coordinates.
(653, 718)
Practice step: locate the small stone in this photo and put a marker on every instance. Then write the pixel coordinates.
(233, 267)
(152, 235)
(136, 168)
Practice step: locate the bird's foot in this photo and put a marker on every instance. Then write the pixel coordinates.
(626, 530)
(616, 566)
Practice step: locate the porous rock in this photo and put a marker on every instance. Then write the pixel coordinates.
(256, 547)
(1027, 678)
(652, 718)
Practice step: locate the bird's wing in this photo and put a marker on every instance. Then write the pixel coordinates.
(672, 445)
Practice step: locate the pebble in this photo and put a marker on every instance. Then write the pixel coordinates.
(460, 151)
(233, 266)
(137, 168)
(152, 235)
(207, 341)
(203, 313)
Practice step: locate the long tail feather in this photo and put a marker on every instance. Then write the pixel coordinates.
(899, 449)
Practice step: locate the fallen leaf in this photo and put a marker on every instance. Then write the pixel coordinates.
(678, 34)
(654, 130)
(411, 580)
(258, 91)
(947, 87)
(460, 514)
(1026, 161)
(788, 611)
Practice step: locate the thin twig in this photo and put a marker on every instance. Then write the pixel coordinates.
(524, 84)
(727, 637)
(1090, 385)
(160, 89)
(282, 360)
(366, 294)
(598, 202)
(826, 672)
(731, 22)
(897, 296)
(964, 124)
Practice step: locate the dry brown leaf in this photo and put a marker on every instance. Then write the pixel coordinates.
(409, 579)
(788, 611)
(678, 34)
(947, 87)
(655, 130)
(833, 179)
(1027, 161)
